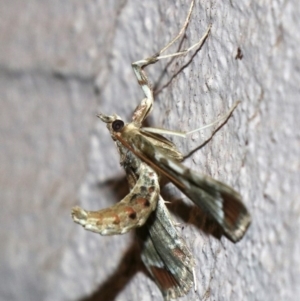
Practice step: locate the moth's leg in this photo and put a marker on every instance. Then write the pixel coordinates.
(129, 213)
(182, 30)
(185, 134)
(185, 51)
(145, 107)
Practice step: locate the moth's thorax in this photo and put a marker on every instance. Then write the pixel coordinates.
(127, 158)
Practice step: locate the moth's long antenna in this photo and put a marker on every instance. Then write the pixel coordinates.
(185, 134)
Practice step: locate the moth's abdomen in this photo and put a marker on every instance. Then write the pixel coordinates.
(129, 213)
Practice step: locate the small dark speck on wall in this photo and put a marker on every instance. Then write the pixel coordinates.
(239, 54)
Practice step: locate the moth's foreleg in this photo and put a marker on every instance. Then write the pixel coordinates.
(185, 51)
(129, 213)
(182, 30)
(145, 107)
(143, 110)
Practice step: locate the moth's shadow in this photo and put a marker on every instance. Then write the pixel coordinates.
(129, 265)
(191, 214)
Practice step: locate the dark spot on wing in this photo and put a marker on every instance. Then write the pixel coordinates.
(133, 197)
(130, 212)
(164, 161)
(151, 189)
(143, 188)
(132, 215)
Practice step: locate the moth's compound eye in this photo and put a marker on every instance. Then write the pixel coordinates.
(117, 125)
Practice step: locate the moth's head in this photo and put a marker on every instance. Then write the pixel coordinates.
(114, 123)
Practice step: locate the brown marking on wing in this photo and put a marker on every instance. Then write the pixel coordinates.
(178, 253)
(130, 212)
(117, 220)
(164, 278)
(142, 201)
(151, 189)
(236, 217)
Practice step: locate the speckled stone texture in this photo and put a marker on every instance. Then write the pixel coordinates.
(62, 62)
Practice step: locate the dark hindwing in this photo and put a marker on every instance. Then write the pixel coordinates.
(166, 255)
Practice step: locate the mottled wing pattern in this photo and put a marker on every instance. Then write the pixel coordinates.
(166, 255)
(219, 200)
(129, 213)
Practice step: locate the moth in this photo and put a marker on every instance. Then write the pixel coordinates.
(147, 157)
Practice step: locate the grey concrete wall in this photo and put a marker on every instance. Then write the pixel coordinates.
(61, 62)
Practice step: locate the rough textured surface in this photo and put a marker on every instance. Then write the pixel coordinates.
(61, 62)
